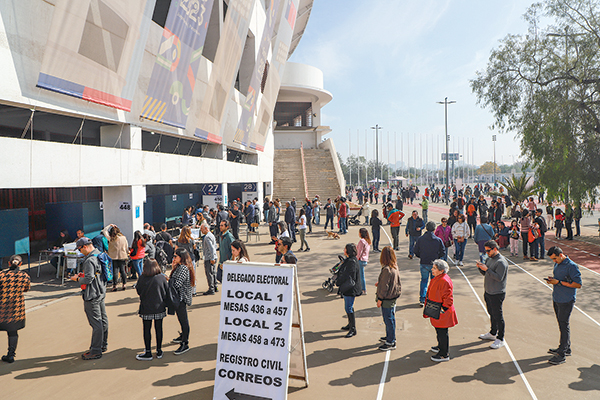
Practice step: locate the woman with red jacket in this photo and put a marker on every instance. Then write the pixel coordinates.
(441, 291)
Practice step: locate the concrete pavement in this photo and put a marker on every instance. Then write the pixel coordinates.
(49, 365)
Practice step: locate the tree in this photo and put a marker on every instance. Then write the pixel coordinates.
(487, 168)
(543, 86)
(519, 188)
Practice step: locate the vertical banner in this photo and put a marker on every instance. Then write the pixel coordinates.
(94, 49)
(246, 121)
(171, 87)
(209, 111)
(254, 332)
(274, 76)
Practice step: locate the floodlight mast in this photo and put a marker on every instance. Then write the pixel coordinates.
(445, 103)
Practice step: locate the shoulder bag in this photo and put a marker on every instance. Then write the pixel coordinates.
(432, 309)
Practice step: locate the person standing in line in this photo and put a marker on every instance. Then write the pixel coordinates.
(153, 289)
(290, 219)
(249, 215)
(343, 216)
(495, 272)
(428, 248)
(472, 217)
(239, 252)
(93, 291)
(526, 223)
(137, 253)
(559, 222)
(441, 290)
(444, 232)
(483, 233)
(308, 211)
(424, 208)
(541, 241)
(349, 286)
(330, 212)
(225, 247)
(180, 285)
(375, 229)
(394, 217)
(566, 279)
(209, 251)
(186, 241)
(234, 220)
(302, 230)
(577, 218)
(389, 288)
(13, 283)
(366, 211)
(118, 250)
(273, 217)
(460, 232)
(414, 228)
(550, 216)
(515, 234)
(363, 247)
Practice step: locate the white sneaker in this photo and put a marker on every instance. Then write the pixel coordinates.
(497, 344)
(460, 263)
(487, 336)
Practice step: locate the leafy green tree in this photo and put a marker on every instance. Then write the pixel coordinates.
(488, 168)
(544, 86)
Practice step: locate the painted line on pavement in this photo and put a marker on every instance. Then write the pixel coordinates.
(583, 251)
(510, 353)
(550, 288)
(383, 375)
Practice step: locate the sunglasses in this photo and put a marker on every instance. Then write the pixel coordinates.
(488, 250)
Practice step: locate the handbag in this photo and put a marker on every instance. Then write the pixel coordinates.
(347, 285)
(432, 309)
(172, 300)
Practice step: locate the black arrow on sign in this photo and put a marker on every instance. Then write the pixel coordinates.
(232, 395)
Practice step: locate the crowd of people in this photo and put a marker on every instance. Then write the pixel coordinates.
(469, 217)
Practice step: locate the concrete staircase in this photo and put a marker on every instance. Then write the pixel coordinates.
(320, 175)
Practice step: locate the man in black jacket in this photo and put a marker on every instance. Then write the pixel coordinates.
(414, 228)
(428, 248)
(290, 219)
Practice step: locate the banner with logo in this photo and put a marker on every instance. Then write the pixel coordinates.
(169, 96)
(95, 48)
(274, 75)
(210, 109)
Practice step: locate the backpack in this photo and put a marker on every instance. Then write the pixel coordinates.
(162, 259)
(105, 266)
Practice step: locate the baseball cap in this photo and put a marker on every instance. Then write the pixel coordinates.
(82, 242)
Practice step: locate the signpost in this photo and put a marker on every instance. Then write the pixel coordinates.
(259, 310)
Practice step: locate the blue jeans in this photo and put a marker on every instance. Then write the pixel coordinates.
(376, 239)
(327, 219)
(542, 242)
(445, 257)
(425, 276)
(535, 247)
(411, 246)
(460, 249)
(362, 265)
(424, 215)
(139, 266)
(343, 225)
(349, 304)
(389, 318)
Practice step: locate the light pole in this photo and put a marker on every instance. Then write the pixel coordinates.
(445, 103)
(494, 140)
(377, 128)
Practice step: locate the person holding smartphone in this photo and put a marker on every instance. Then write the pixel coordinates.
(495, 272)
(566, 280)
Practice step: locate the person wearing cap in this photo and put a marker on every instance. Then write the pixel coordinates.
(93, 285)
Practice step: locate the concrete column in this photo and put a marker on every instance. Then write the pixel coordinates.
(124, 207)
(121, 136)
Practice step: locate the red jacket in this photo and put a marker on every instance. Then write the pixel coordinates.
(441, 290)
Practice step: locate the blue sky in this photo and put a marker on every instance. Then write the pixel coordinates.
(389, 62)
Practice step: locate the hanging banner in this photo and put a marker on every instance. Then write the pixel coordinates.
(95, 49)
(171, 87)
(274, 75)
(209, 111)
(247, 118)
(255, 331)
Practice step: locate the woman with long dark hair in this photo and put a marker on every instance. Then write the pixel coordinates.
(153, 288)
(363, 247)
(186, 241)
(137, 253)
(118, 251)
(13, 283)
(180, 283)
(389, 288)
(375, 229)
(239, 252)
(350, 286)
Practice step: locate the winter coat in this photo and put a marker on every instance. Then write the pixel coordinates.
(441, 291)
(153, 292)
(349, 269)
(12, 302)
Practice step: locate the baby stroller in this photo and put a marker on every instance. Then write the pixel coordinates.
(329, 284)
(355, 219)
